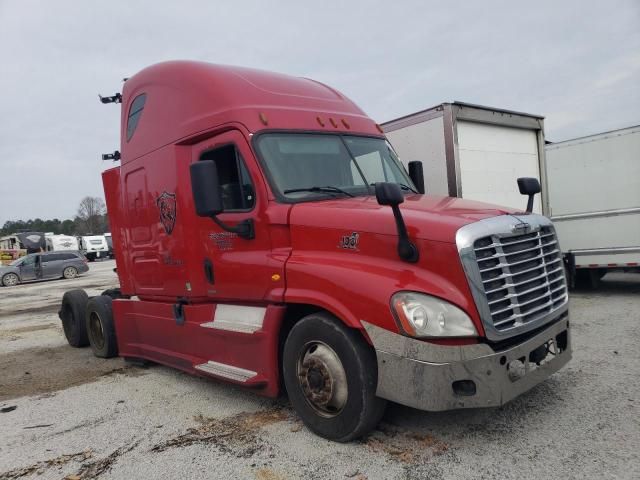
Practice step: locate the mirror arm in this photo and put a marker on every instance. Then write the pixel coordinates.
(244, 229)
(407, 250)
(530, 203)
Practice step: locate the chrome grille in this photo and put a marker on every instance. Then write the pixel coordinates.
(517, 280)
(522, 276)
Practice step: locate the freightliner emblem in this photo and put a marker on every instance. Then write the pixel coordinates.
(521, 228)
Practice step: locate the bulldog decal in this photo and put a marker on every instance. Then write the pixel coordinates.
(167, 207)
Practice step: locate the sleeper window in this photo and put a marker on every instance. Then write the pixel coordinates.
(237, 190)
(135, 111)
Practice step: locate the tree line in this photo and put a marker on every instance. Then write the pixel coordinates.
(91, 218)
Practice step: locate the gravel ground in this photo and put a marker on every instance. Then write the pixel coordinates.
(81, 417)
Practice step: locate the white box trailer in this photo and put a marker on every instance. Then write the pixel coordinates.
(594, 193)
(475, 152)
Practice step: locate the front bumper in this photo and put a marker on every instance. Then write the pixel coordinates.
(428, 376)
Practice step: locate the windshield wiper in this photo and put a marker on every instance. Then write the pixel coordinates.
(327, 189)
(402, 186)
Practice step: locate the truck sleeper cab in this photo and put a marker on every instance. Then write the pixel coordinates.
(266, 234)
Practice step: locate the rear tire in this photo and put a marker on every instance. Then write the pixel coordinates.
(70, 272)
(72, 314)
(330, 374)
(100, 327)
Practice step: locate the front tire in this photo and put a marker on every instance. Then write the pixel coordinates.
(100, 327)
(70, 272)
(330, 374)
(10, 280)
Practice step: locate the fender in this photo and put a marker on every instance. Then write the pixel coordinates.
(356, 287)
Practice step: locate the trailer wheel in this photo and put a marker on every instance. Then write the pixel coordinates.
(72, 314)
(100, 327)
(588, 278)
(330, 374)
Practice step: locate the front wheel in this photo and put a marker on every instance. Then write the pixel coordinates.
(10, 280)
(330, 373)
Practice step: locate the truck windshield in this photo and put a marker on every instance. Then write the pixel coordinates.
(307, 166)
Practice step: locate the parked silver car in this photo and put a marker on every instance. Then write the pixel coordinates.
(43, 266)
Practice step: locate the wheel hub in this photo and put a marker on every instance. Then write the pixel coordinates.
(95, 325)
(323, 379)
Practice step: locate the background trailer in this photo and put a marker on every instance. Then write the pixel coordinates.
(594, 194)
(473, 152)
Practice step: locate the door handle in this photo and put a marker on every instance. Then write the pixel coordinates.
(208, 271)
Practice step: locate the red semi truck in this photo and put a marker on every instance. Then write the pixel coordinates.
(266, 234)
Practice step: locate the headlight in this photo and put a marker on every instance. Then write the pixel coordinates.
(422, 315)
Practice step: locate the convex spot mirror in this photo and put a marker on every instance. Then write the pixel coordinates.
(389, 193)
(207, 195)
(529, 186)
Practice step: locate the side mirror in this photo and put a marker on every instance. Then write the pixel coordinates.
(390, 194)
(529, 186)
(205, 187)
(207, 197)
(417, 176)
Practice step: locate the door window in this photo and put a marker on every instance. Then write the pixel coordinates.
(238, 193)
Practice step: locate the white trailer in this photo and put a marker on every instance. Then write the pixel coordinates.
(56, 243)
(94, 246)
(594, 194)
(473, 152)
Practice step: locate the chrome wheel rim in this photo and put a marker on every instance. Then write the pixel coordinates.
(10, 280)
(69, 272)
(322, 379)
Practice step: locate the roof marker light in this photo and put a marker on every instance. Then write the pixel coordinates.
(333, 122)
(320, 122)
(346, 124)
(263, 119)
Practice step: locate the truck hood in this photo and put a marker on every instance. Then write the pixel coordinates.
(428, 217)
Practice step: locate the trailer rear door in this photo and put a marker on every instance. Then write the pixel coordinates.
(491, 158)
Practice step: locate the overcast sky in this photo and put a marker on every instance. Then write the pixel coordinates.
(575, 62)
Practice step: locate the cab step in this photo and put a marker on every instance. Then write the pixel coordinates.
(230, 372)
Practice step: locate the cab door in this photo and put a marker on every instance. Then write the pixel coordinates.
(235, 268)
